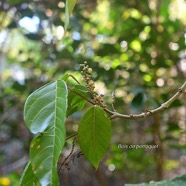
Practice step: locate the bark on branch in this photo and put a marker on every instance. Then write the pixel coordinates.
(148, 112)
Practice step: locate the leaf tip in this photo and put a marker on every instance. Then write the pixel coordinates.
(96, 166)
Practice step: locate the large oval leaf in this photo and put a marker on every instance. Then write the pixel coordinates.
(45, 111)
(39, 110)
(94, 134)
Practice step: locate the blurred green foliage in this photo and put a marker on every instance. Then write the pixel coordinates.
(136, 48)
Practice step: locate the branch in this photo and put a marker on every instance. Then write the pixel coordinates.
(73, 135)
(74, 78)
(148, 112)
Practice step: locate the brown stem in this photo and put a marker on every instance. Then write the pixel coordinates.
(74, 78)
(67, 138)
(148, 112)
(100, 177)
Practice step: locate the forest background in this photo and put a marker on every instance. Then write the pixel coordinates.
(136, 49)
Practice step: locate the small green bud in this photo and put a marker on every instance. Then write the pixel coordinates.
(89, 70)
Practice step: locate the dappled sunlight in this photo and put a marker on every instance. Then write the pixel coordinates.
(30, 24)
(136, 60)
(177, 10)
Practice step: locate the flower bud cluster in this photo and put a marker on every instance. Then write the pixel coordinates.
(87, 78)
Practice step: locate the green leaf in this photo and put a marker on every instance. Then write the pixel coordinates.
(13, 2)
(68, 10)
(94, 134)
(28, 177)
(178, 181)
(178, 146)
(164, 6)
(45, 111)
(75, 102)
(64, 77)
(41, 106)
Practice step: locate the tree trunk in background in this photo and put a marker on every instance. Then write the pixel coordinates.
(159, 152)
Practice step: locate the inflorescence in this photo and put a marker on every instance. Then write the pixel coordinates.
(87, 78)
